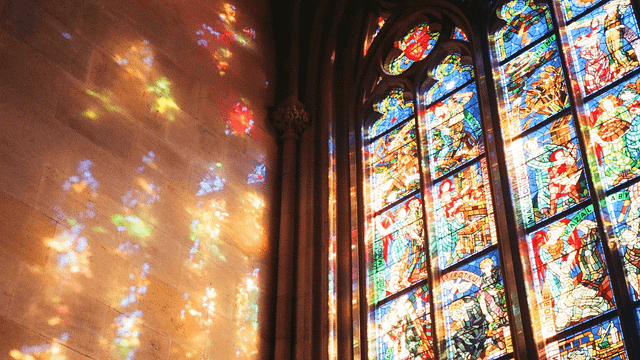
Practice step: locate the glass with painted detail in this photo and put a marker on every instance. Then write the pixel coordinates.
(454, 133)
(404, 327)
(548, 173)
(532, 87)
(393, 109)
(475, 310)
(524, 22)
(414, 46)
(464, 222)
(449, 74)
(604, 45)
(603, 341)
(399, 259)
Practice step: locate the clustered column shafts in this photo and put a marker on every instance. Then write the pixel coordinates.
(290, 119)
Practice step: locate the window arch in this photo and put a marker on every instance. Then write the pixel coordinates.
(567, 82)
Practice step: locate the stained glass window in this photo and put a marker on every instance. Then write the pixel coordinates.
(502, 209)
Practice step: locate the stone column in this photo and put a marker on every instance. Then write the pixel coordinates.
(291, 120)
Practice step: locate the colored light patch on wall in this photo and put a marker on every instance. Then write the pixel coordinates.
(569, 271)
(533, 88)
(526, 22)
(603, 342)
(547, 172)
(246, 316)
(475, 310)
(394, 109)
(450, 74)
(399, 259)
(404, 329)
(464, 222)
(163, 102)
(394, 176)
(454, 134)
(415, 46)
(240, 119)
(604, 45)
(622, 212)
(614, 126)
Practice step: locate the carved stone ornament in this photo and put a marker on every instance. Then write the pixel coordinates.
(290, 118)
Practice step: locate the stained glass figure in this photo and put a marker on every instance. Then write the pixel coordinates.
(533, 87)
(399, 258)
(573, 8)
(622, 212)
(454, 133)
(458, 34)
(393, 162)
(548, 171)
(614, 126)
(526, 22)
(603, 342)
(404, 327)
(604, 45)
(569, 271)
(415, 46)
(450, 74)
(475, 310)
(394, 110)
(464, 222)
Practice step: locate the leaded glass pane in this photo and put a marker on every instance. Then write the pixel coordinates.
(533, 87)
(526, 22)
(614, 126)
(573, 8)
(404, 327)
(454, 134)
(475, 310)
(415, 46)
(603, 342)
(569, 272)
(394, 109)
(622, 211)
(450, 73)
(547, 171)
(399, 259)
(464, 221)
(458, 34)
(604, 45)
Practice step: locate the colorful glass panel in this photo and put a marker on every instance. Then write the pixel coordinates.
(475, 310)
(569, 272)
(454, 133)
(367, 44)
(614, 126)
(394, 174)
(622, 211)
(526, 22)
(458, 34)
(384, 146)
(464, 222)
(548, 174)
(415, 46)
(450, 74)
(533, 87)
(603, 342)
(399, 258)
(404, 327)
(604, 45)
(573, 8)
(394, 109)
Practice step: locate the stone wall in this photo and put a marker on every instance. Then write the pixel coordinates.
(135, 179)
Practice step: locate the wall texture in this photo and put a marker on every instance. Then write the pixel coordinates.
(135, 179)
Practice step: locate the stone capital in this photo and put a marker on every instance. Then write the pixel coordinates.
(290, 118)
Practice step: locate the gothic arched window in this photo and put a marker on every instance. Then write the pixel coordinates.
(535, 164)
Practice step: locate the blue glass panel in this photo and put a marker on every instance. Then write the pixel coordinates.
(450, 73)
(475, 310)
(394, 109)
(603, 342)
(573, 8)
